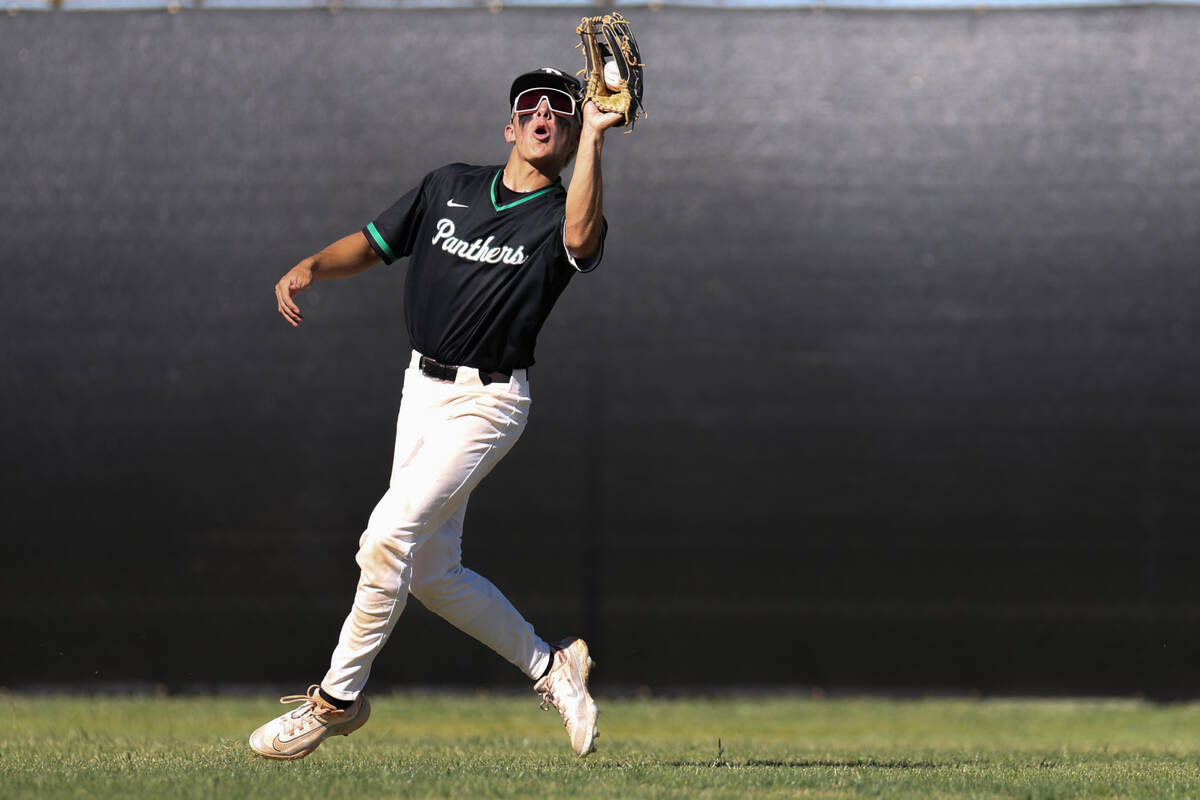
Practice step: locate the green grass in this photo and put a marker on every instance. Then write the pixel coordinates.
(482, 747)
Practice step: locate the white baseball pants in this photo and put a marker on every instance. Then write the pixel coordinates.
(448, 437)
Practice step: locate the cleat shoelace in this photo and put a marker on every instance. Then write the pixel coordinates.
(549, 704)
(307, 714)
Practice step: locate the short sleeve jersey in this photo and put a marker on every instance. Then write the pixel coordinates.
(484, 269)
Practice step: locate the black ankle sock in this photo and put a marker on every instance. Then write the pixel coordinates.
(549, 664)
(333, 701)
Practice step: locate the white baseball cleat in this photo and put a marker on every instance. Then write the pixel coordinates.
(565, 688)
(299, 732)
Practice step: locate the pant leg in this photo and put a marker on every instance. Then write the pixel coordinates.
(449, 436)
(472, 603)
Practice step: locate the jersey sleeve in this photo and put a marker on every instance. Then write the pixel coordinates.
(583, 264)
(392, 233)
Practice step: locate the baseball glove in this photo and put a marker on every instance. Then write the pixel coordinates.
(610, 39)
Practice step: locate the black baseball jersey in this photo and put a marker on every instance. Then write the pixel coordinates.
(486, 264)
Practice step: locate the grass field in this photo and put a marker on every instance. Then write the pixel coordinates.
(485, 747)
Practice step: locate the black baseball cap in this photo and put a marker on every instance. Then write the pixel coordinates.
(545, 78)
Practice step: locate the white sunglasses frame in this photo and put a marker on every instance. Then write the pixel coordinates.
(543, 90)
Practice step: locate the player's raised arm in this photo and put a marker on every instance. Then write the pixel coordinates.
(585, 196)
(614, 76)
(347, 256)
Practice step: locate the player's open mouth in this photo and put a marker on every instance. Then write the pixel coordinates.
(541, 132)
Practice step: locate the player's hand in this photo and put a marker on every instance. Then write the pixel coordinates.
(297, 279)
(597, 121)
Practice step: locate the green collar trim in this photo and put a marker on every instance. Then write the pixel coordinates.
(496, 203)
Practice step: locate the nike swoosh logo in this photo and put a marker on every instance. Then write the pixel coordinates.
(453, 204)
(302, 732)
(289, 739)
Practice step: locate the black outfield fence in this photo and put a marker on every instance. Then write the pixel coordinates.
(889, 378)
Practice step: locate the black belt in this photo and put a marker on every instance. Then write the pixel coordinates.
(445, 372)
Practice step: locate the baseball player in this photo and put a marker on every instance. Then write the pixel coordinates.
(490, 250)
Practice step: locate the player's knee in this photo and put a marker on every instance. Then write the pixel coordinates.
(435, 589)
(396, 515)
(381, 552)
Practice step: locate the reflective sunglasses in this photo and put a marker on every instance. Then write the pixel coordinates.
(561, 103)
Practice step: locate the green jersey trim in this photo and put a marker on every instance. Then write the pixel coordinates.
(371, 229)
(496, 204)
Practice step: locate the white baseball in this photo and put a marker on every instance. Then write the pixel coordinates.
(612, 76)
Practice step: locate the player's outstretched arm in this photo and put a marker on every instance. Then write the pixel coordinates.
(347, 256)
(585, 196)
